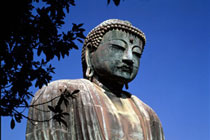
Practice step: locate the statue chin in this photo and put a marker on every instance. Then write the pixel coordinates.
(119, 78)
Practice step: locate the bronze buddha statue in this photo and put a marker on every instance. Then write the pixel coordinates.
(101, 110)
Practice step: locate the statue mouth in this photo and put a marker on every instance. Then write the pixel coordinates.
(125, 68)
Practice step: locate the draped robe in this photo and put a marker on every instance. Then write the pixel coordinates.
(92, 115)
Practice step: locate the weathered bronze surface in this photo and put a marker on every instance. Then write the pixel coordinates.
(101, 110)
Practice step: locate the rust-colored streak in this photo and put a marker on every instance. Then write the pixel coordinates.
(98, 111)
(143, 126)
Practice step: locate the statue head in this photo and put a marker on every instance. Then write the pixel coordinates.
(112, 51)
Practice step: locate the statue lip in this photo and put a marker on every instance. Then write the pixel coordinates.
(126, 68)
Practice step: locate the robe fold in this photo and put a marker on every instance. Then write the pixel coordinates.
(92, 115)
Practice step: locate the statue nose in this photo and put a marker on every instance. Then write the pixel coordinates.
(128, 57)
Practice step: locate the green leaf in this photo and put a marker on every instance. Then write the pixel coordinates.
(51, 108)
(116, 2)
(63, 122)
(58, 109)
(79, 25)
(18, 117)
(80, 40)
(25, 102)
(75, 91)
(12, 124)
(66, 102)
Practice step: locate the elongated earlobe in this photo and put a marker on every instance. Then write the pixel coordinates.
(89, 73)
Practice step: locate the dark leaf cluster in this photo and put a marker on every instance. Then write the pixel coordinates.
(116, 2)
(58, 110)
(30, 39)
(18, 117)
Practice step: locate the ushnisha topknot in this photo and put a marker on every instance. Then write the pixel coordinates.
(95, 36)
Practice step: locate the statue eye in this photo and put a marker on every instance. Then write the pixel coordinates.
(137, 51)
(118, 46)
(137, 54)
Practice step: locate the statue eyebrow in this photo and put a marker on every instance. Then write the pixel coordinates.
(126, 43)
(120, 40)
(112, 40)
(137, 46)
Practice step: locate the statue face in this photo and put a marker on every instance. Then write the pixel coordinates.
(117, 57)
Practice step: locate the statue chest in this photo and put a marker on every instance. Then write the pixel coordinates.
(120, 118)
(124, 120)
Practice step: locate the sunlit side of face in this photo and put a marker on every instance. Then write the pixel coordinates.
(117, 57)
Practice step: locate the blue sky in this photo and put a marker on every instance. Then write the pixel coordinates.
(174, 72)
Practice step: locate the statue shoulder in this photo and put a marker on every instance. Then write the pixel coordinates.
(55, 88)
(48, 97)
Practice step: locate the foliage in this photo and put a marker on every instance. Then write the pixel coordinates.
(31, 33)
(30, 38)
(58, 111)
(116, 2)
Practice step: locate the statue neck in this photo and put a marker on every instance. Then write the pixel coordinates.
(108, 86)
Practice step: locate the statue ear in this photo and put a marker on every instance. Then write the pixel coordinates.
(89, 71)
